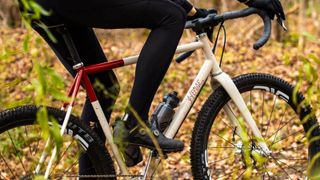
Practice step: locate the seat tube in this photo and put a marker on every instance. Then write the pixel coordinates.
(104, 124)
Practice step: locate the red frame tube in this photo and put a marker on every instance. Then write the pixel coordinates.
(82, 76)
(89, 88)
(96, 68)
(74, 89)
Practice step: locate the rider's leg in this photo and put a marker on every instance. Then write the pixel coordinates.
(166, 21)
(163, 17)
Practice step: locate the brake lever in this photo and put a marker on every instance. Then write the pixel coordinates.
(281, 23)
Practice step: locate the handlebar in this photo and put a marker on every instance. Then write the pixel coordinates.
(213, 19)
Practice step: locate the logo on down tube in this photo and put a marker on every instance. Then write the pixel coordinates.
(195, 90)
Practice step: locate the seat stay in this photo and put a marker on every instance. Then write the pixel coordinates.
(72, 94)
(103, 123)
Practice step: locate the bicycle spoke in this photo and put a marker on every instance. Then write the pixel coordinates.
(262, 111)
(274, 134)
(234, 114)
(241, 174)
(266, 172)
(270, 117)
(227, 124)
(72, 165)
(2, 177)
(219, 160)
(231, 127)
(277, 161)
(16, 151)
(284, 150)
(290, 166)
(251, 106)
(37, 145)
(225, 139)
(279, 165)
(27, 134)
(221, 147)
(61, 157)
(287, 137)
(225, 175)
(223, 172)
(295, 159)
(7, 166)
(280, 153)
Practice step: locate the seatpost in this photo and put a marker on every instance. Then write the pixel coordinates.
(71, 47)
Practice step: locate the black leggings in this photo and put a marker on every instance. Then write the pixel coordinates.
(166, 21)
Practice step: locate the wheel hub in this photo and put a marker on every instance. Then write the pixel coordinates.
(252, 155)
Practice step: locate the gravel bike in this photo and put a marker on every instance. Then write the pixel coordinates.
(253, 123)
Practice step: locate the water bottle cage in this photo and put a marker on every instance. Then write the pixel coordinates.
(165, 111)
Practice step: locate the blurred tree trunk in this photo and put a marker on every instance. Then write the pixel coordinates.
(302, 18)
(221, 5)
(289, 8)
(314, 14)
(277, 32)
(9, 13)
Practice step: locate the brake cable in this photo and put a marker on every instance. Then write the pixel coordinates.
(224, 43)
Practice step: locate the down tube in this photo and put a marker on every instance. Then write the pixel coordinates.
(190, 98)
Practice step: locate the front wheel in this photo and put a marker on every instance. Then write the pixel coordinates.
(287, 125)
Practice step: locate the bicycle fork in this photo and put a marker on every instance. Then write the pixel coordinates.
(236, 97)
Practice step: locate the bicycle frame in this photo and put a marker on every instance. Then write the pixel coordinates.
(210, 68)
